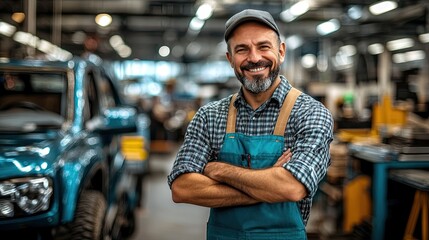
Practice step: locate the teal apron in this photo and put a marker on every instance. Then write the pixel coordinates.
(262, 221)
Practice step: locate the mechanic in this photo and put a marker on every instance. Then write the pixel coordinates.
(238, 157)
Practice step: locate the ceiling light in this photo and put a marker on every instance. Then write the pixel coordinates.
(103, 19)
(400, 44)
(308, 61)
(18, 17)
(355, 12)
(45, 46)
(382, 7)
(408, 56)
(115, 41)
(164, 51)
(196, 24)
(287, 16)
(204, 12)
(375, 49)
(348, 50)
(7, 29)
(424, 38)
(26, 38)
(328, 27)
(295, 11)
(124, 51)
(299, 8)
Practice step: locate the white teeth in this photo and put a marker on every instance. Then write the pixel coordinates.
(257, 69)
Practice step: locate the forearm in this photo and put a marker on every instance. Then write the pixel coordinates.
(273, 184)
(195, 188)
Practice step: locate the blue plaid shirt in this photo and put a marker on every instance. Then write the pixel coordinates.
(308, 134)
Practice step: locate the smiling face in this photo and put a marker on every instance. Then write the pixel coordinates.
(255, 53)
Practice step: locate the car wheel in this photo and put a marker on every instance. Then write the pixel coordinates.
(129, 228)
(89, 217)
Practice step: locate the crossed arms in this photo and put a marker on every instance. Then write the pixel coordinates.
(224, 185)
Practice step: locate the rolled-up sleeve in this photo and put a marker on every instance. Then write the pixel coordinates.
(310, 150)
(195, 150)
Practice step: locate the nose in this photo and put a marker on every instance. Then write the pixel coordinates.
(254, 56)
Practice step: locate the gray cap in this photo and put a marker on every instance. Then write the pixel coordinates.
(250, 15)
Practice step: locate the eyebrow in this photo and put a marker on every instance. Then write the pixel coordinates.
(257, 44)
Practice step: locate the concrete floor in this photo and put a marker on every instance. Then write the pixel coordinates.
(162, 219)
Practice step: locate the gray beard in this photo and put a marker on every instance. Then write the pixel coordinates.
(259, 84)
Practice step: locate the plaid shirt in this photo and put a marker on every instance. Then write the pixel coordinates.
(308, 134)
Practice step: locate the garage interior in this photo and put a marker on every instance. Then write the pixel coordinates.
(367, 65)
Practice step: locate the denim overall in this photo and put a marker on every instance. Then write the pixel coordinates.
(262, 221)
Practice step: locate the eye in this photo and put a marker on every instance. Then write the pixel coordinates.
(264, 47)
(240, 50)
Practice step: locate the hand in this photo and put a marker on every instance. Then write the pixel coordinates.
(284, 158)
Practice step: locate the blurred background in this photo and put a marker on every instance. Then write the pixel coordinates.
(365, 60)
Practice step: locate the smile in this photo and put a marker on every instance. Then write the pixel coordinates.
(256, 69)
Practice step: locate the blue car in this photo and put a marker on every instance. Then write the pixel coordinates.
(62, 174)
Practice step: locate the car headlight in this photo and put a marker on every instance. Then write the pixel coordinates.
(23, 196)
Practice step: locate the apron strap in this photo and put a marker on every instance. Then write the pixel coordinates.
(282, 119)
(232, 115)
(285, 111)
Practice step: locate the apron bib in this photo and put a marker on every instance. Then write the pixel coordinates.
(262, 221)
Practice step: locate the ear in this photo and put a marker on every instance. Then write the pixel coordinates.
(229, 57)
(282, 52)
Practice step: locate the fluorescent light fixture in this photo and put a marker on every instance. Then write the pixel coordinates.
(382, 7)
(355, 12)
(299, 8)
(124, 51)
(45, 46)
(204, 12)
(424, 38)
(26, 38)
(308, 61)
(348, 50)
(408, 56)
(196, 24)
(328, 27)
(103, 19)
(7, 29)
(400, 44)
(52, 51)
(376, 48)
(295, 11)
(287, 16)
(116, 41)
(120, 47)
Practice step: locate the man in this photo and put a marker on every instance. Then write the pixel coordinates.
(235, 157)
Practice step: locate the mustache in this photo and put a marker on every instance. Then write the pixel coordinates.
(251, 65)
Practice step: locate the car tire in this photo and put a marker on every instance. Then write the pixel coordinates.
(89, 217)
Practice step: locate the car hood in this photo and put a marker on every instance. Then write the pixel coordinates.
(25, 154)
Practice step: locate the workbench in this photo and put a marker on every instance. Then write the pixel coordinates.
(382, 160)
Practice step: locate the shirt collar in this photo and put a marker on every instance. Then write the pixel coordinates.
(278, 96)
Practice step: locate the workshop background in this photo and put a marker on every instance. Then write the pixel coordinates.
(365, 60)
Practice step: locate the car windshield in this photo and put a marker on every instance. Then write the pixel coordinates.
(32, 101)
